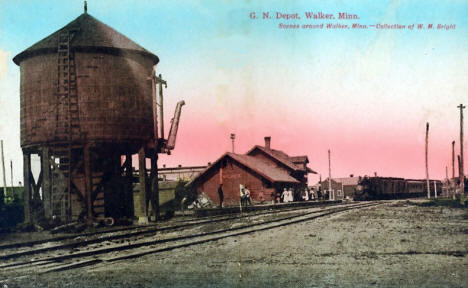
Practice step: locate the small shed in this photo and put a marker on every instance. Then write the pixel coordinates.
(334, 191)
(342, 187)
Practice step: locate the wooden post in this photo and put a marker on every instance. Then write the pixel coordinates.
(46, 183)
(329, 177)
(140, 198)
(11, 174)
(129, 192)
(462, 172)
(88, 182)
(459, 167)
(27, 186)
(4, 174)
(321, 188)
(427, 167)
(155, 107)
(161, 105)
(447, 186)
(342, 190)
(453, 159)
(154, 185)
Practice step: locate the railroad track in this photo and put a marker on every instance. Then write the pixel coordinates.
(77, 240)
(149, 245)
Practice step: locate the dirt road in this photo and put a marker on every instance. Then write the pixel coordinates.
(399, 244)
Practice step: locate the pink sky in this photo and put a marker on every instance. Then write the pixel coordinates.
(364, 94)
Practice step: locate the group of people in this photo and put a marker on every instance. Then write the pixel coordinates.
(288, 195)
(308, 195)
(244, 195)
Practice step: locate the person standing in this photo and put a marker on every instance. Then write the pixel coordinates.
(284, 196)
(221, 195)
(312, 195)
(242, 194)
(247, 196)
(305, 194)
(291, 195)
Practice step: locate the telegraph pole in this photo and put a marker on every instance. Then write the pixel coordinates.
(427, 167)
(4, 176)
(462, 172)
(329, 177)
(453, 159)
(459, 165)
(452, 180)
(447, 186)
(11, 172)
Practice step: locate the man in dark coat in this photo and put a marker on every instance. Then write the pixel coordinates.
(221, 195)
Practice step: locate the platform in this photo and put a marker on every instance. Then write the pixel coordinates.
(259, 207)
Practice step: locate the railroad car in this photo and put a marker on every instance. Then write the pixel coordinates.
(374, 188)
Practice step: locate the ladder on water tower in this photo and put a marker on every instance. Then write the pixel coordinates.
(67, 128)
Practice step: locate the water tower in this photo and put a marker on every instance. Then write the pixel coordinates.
(87, 104)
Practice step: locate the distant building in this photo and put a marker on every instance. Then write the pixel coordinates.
(341, 187)
(186, 173)
(263, 170)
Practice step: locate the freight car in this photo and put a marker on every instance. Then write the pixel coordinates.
(374, 188)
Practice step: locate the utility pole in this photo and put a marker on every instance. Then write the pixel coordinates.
(453, 159)
(452, 180)
(462, 172)
(320, 187)
(11, 174)
(427, 167)
(4, 176)
(329, 177)
(447, 186)
(233, 137)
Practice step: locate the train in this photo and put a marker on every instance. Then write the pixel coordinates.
(380, 188)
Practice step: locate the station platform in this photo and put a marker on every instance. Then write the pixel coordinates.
(259, 207)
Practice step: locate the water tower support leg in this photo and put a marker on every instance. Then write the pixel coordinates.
(129, 191)
(154, 185)
(88, 182)
(27, 186)
(140, 197)
(46, 185)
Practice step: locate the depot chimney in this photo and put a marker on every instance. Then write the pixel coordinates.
(267, 142)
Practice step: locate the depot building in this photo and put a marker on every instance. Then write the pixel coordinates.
(264, 171)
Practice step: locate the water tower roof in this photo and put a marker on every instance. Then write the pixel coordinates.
(90, 35)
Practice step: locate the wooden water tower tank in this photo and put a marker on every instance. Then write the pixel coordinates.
(85, 102)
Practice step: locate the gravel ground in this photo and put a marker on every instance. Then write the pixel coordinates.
(399, 244)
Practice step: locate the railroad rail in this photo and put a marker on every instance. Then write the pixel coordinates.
(63, 260)
(24, 249)
(142, 229)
